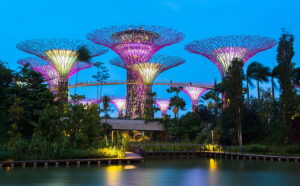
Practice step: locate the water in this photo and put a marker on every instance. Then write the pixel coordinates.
(205, 171)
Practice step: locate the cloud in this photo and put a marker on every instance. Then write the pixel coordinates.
(173, 5)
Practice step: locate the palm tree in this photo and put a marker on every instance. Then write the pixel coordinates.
(101, 75)
(83, 54)
(296, 76)
(273, 75)
(259, 73)
(214, 96)
(105, 102)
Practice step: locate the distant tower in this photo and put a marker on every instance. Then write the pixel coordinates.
(49, 72)
(135, 44)
(119, 103)
(149, 71)
(194, 93)
(163, 104)
(62, 54)
(223, 49)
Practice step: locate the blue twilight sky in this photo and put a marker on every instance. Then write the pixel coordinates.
(197, 19)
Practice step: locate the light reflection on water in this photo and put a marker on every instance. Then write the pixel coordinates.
(161, 172)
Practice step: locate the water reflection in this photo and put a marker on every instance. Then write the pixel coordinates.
(213, 171)
(113, 174)
(130, 167)
(212, 165)
(181, 172)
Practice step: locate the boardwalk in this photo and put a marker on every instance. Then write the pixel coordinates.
(129, 158)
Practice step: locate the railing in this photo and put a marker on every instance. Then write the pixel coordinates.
(120, 82)
(189, 148)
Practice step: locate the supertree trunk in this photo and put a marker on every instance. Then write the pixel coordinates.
(135, 96)
(148, 104)
(62, 91)
(224, 100)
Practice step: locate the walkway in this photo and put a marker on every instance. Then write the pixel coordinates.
(129, 158)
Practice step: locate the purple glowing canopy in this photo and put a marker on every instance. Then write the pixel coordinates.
(163, 104)
(166, 62)
(48, 71)
(148, 71)
(119, 102)
(61, 53)
(87, 101)
(38, 47)
(135, 44)
(222, 50)
(194, 93)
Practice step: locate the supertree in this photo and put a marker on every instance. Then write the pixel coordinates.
(62, 54)
(163, 104)
(222, 50)
(135, 44)
(297, 86)
(194, 93)
(49, 72)
(119, 103)
(89, 101)
(149, 71)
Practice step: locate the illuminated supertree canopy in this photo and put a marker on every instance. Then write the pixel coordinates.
(149, 71)
(223, 49)
(194, 93)
(135, 44)
(86, 101)
(89, 101)
(120, 104)
(48, 71)
(297, 86)
(61, 53)
(163, 104)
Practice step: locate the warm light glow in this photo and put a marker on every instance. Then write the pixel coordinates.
(113, 174)
(63, 60)
(120, 104)
(226, 54)
(147, 71)
(129, 167)
(163, 105)
(194, 93)
(213, 164)
(7, 168)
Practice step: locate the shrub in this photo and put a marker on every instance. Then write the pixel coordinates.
(107, 152)
(257, 148)
(291, 149)
(8, 155)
